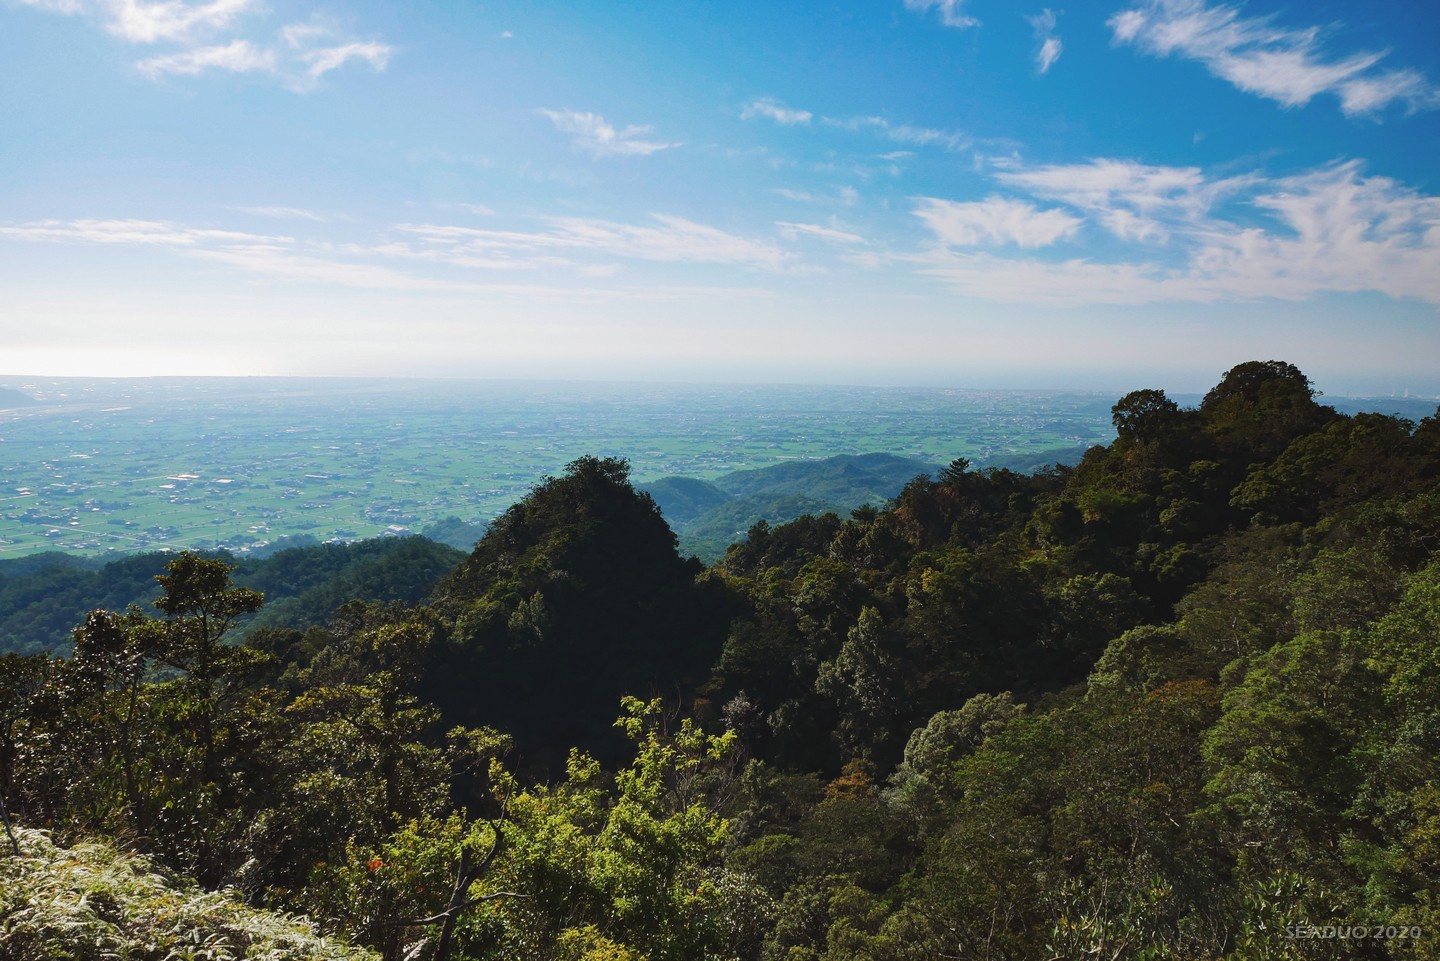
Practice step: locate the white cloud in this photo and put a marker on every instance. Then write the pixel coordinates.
(772, 110)
(238, 56)
(902, 133)
(283, 257)
(142, 22)
(299, 35)
(845, 196)
(995, 220)
(284, 213)
(56, 6)
(143, 232)
(828, 234)
(1330, 230)
(297, 55)
(586, 248)
(1134, 201)
(1046, 283)
(1340, 231)
(1128, 225)
(1043, 23)
(951, 11)
(1284, 64)
(288, 264)
(1049, 53)
(324, 59)
(592, 134)
(1361, 95)
(675, 239)
(152, 21)
(670, 240)
(1099, 183)
(926, 136)
(315, 49)
(440, 247)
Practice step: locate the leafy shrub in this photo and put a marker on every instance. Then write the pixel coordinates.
(91, 902)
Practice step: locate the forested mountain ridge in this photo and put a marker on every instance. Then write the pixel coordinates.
(707, 516)
(1173, 702)
(44, 596)
(574, 598)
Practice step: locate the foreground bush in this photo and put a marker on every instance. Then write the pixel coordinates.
(92, 902)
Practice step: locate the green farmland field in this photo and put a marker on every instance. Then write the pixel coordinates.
(109, 466)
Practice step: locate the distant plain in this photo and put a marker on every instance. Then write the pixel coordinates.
(112, 466)
(99, 466)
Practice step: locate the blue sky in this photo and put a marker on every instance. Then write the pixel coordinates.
(949, 192)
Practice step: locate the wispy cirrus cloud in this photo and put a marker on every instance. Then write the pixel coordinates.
(441, 258)
(297, 55)
(828, 234)
(1327, 230)
(952, 12)
(152, 21)
(55, 6)
(590, 133)
(772, 109)
(321, 60)
(1134, 201)
(311, 50)
(1066, 283)
(902, 133)
(237, 56)
(995, 221)
(1289, 65)
(281, 257)
(667, 239)
(287, 263)
(1338, 230)
(302, 36)
(284, 213)
(147, 22)
(1099, 183)
(123, 231)
(1176, 234)
(1043, 24)
(845, 196)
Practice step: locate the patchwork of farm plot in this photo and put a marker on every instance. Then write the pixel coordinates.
(110, 466)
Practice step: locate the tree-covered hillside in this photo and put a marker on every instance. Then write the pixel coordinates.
(708, 516)
(1176, 701)
(43, 596)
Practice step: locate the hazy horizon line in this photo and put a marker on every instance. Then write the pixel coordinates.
(1093, 383)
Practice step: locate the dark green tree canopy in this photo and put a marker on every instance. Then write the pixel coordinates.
(575, 597)
(1175, 702)
(1256, 380)
(1145, 414)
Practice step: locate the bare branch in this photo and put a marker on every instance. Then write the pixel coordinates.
(437, 918)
